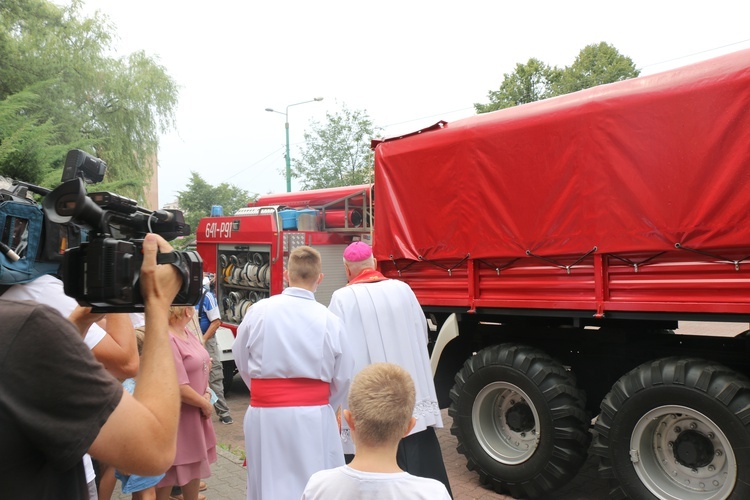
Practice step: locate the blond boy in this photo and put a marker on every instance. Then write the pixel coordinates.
(381, 402)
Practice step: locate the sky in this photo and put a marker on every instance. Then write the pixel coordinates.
(407, 63)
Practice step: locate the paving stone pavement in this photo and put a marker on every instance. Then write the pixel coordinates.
(227, 481)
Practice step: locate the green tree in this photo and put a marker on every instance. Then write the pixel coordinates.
(26, 150)
(596, 64)
(337, 152)
(529, 82)
(198, 197)
(60, 90)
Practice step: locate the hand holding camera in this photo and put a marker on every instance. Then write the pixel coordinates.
(159, 283)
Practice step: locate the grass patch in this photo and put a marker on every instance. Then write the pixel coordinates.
(238, 452)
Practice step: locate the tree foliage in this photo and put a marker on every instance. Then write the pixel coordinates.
(59, 90)
(596, 64)
(337, 152)
(529, 82)
(199, 196)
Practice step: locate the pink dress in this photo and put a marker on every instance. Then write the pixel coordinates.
(196, 440)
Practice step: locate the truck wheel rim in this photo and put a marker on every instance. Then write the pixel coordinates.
(681, 454)
(505, 423)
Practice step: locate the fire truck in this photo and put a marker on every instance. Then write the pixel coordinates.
(557, 248)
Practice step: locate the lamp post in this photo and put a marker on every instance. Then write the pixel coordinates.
(286, 125)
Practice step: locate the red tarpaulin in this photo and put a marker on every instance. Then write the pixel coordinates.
(634, 166)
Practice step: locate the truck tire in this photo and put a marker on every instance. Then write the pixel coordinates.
(229, 371)
(519, 420)
(676, 429)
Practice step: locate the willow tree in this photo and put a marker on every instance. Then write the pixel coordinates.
(61, 89)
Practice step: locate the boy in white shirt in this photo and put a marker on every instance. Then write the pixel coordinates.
(381, 402)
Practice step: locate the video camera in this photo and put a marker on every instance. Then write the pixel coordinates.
(101, 235)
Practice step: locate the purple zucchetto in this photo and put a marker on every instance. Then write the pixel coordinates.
(357, 252)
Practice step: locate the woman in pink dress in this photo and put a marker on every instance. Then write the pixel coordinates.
(196, 441)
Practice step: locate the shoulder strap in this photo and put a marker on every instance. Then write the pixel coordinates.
(203, 298)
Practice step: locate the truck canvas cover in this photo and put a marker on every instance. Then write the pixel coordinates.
(634, 166)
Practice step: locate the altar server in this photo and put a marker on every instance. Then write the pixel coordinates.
(292, 354)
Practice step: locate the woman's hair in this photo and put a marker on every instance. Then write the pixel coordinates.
(304, 265)
(140, 335)
(381, 400)
(176, 312)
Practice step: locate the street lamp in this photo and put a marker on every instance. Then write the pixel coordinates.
(286, 124)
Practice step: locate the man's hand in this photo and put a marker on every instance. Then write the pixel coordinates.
(159, 283)
(211, 331)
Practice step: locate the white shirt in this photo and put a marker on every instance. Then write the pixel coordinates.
(138, 319)
(384, 323)
(48, 290)
(345, 483)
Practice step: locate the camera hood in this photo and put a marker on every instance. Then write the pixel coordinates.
(69, 201)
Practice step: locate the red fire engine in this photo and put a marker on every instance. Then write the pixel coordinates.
(248, 250)
(556, 247)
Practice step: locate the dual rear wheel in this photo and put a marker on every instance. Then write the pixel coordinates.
(676, 429)
(671, 429)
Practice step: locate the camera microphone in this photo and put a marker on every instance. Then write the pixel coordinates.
(8, 252)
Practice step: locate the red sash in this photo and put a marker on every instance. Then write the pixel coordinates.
(280, 392)
(368, 276)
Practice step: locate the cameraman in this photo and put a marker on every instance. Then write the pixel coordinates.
(57, 401)
(114, 348)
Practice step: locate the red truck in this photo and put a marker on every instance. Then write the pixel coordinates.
(555, 248)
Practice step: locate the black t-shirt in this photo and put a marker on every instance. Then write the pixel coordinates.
(54, 398)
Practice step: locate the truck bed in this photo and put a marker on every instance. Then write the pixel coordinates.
(623, 199)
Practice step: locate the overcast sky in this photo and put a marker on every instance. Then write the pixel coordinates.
(408, 63)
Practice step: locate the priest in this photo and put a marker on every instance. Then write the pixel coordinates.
(384, 323)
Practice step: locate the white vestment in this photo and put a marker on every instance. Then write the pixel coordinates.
(291, 336)
(384, 323)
